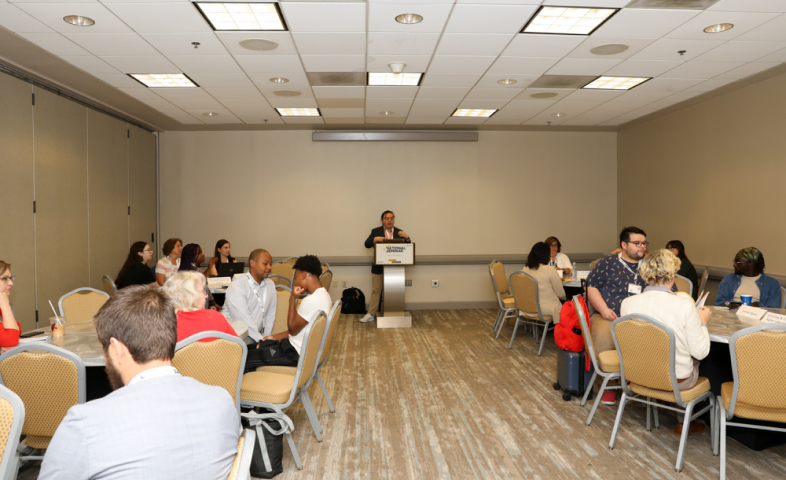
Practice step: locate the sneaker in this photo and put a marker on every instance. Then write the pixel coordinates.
(608, 398)
(368, 318)
(695, 427)
(23, 448)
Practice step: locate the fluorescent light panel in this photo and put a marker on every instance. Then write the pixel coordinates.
(568, 20)
(163, 80)
(242, 16)
(616, 83)
(473, 112)
(400, 79)
(298, 112)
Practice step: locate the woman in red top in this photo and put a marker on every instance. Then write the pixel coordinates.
(9, 331)
(187, 292)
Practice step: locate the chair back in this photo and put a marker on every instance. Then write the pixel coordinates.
(759, 367)
(498, 278)
(49, 380)
(332, 323)
(109, 285)
(525, 292)
(326, 279)
(325, 266)
(290, 260)
(81, 304)
(219, 362)
(594, 262)
(309, 354)
(241, 467)
(282, 269)
(683, 284)
(585, 332)
(279, 280)
(783, 297)
(12, 417)
(282, 308)
(704, 277)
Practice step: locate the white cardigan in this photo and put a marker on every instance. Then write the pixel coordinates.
(678, 312)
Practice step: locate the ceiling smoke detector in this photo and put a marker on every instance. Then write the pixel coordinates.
(259, 44)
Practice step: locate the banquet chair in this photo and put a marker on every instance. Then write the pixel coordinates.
(109, 285)
(704, 277)
(326, 279)
(279, 391)
(646, 350)
(12, 412)
(683, 284)
(594, 262)
(502, 290)
(81, 304)
(280, 280)
(219, 362)
(282, 303)
(241, 467)
(325, 266)
(290, 260)
(607, 364)
(527, 300)
(758, 391)
(283, 269)
(49, 380)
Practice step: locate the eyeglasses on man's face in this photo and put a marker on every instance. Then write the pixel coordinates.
(640, 244)
(389, 218)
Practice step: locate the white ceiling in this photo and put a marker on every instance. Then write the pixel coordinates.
(463, 46)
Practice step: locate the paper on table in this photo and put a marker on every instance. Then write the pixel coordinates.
(218, 282)
(38, 338)
(701, 300)
(751, 313)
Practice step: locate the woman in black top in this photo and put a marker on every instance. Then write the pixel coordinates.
(135, 271)
(190, 260)
(221, 254)
(686, 269)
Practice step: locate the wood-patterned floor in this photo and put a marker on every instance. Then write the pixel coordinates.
(444, 400)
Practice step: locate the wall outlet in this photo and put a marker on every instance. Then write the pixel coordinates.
(335, 284)
(435, 284)
(407, 283)
(344, 284)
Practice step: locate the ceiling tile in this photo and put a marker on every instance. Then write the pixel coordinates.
(341, 102)
(640, 97)
(224, 116)
(668, 84)
(573, 108)
(296, 79)
(525, 108)
(330, 43)
(545, 118)
(522, 66)
(644, 23)
(743, 22)
(527, 94)
(306, 120)
(491, 92)
(231, 40)
(140, 92)
(483, 103)
(702, 70)
(594, 95)
(391, 92)
(119, 80)
(385, 119)
(382, 17)
(634, 46)
(548, 46)
(746, 70)
(334, 63)
(459, 64)
(583, 66)
(270, 93)
(339, 92)
(772, 31)
(157, 64)
(325, 17)
(54, 43)
(749, 6)
(436, 103)
(466, 120)
(472, 44)
(450, 80)
(399, 104)
(735, 51)
(581, 3)
(497, 120)
(443, 92)
(387, 43)
(288, 102)
(188, 98)
(641, 68)
(343, 120)
(113, 44)
(489, 18)
(91, 64)
(205, 63)
(168, 17)
(253, 117)
(777, 57)
(15, 20)
(708, 85)
(342, 112)
(180, 43)
(235, 93)
(258, 104)
(52, 15)
(271, 63)
(492, 80)
(414, 63)
(222, 80)
(668, 49)
(443, 112)
(425, 120)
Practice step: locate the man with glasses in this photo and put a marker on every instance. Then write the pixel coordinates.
(749, 279)
(379, 234)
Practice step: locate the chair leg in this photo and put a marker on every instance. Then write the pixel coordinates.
(324, 392)
(514, 333)
(586, 394)
(684, 436)
(618, 420)
(502, 321)
(543, 340)
(716, 428)
(312, 415)
(597, 400)
(649, 415)
(293, 449)
(496, 320)
(655, 414)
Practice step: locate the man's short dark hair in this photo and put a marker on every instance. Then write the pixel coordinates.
(141, 317)
(385, 213)
(310, 264)
(255, 254)
(628, 231)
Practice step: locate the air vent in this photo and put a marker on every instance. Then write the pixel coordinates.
(562, 81)
(544, 95)
(337, 79)
(259, 44)
(286, 93)
(673, 4)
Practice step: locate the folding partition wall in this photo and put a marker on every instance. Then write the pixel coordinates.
(77, 187)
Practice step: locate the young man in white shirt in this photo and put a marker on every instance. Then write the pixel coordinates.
(251, 297)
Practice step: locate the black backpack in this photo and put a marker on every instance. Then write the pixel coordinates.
(353, 301)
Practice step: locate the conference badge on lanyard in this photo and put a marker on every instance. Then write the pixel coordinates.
(633, 288)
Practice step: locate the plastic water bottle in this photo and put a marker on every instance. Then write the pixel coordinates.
(573, 273)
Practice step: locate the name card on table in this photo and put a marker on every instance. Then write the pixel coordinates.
(582, 275)
(772, 317)
(751, 313)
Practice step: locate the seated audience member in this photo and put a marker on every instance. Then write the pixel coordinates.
(171, 262)
(190, 260)
(220, 255)
(156, 424)
(135, 271)
(686, 269)
(558, 260)
(550, 290)
(749, 279)
(187, 292)
(678, 311)
(252, 297)
(10, 329)
(289, 344)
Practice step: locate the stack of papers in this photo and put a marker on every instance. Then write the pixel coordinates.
(44, 337)
(219, 282)
(702, 298)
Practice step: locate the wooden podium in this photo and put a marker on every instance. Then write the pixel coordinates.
(394, 257)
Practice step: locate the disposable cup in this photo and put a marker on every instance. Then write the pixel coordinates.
(746, 299)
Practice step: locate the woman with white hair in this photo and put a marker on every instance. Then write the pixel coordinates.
(186, 289)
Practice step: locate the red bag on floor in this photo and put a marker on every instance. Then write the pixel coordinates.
(567, 334)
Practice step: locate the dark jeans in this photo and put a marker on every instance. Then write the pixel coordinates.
(271, 353)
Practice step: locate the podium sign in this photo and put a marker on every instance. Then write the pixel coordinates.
(395, 254)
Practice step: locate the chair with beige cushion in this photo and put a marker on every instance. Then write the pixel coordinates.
(241, 467)
(219, 362)
(81, 304)
(607, 364)
(279, 390)
(683, 284)
(49, 380)
(758, 391)
(326, 279)
(290, 260)
(109, 285)
(282, 302)
(12, 417)
(279, 280)
(527, 303)
(504, 297)
(282, 269)
(646, 351)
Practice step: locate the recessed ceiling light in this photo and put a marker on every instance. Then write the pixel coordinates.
(210, 114)
(298, 112)
(79, 20)
(279, 80)
(507, 81)
(721, 27)
(559, 114)
(163, 80)
(610, 49)
(386, 113)
(544, 95)
(401, 79)
(473, 112)
(287, 93)
(242, 16)
(568, 20)
(616, 83)
(258, 44)
(409, 18)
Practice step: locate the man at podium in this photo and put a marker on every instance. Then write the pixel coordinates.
(386, 232)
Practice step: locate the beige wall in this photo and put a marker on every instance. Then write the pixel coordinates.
(710, 175)
(281, 191)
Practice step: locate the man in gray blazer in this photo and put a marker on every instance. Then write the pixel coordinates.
(157, 424)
